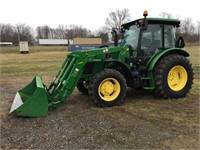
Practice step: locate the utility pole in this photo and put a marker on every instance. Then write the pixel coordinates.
(18, 34)
(199, 33)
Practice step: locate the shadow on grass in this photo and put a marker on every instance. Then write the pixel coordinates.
(139, 94)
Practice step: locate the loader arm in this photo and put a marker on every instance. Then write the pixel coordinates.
(71, 71)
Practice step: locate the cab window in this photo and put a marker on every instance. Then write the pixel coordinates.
(169, 36)
(151, 39)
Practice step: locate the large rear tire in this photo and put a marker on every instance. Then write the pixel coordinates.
(108, 88)
(173, 76)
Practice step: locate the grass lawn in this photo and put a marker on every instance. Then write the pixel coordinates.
(47, 59)
(33, 49)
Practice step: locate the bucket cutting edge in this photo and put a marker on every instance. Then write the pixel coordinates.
(17, 102)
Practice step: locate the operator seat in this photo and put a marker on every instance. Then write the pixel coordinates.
(155, 44)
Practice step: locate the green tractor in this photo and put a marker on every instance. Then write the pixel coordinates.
(148, 57)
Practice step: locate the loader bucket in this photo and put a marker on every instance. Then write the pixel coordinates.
(31, 101)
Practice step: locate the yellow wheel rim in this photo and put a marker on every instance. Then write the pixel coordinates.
(177, 78)
(109, 89)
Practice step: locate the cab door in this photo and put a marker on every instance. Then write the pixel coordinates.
(151, 40)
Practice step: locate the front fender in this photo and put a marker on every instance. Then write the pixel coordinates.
(155, 58)
(126, 71)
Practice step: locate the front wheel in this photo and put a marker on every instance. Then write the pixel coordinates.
(173, 76)
(83, 87)
(108, 88)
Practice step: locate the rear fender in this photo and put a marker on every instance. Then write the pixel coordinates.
(155, 58)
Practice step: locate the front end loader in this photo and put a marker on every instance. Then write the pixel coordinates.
(36, 99)
(146, 57)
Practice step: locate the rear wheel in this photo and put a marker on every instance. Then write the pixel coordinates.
(107, 88)
(173, 76)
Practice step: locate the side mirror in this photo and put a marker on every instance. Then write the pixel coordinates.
(180, 43)
(144, 25)
(115, 36)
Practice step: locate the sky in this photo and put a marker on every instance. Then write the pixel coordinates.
(90, 14)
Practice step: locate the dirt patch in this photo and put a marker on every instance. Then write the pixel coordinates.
(140, 122)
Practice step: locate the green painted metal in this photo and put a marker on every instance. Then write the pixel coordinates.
(33, 98)
(165, 21)
(154, 59)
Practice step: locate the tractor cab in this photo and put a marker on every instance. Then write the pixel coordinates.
(148, 36)
(157, 36)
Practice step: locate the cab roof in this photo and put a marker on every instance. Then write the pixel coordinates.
(174, 22)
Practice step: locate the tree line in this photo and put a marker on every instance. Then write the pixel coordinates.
(12, 33)
(188, 29)
(22, 32)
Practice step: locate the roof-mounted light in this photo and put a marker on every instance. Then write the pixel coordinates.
(145, 13)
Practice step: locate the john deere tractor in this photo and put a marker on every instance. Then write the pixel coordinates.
(148, 57)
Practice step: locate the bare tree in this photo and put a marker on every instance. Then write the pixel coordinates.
(117, 18)
(60, 32)
(187, 26)
(39, 32)
(103, 34)
(44, 32)
(7, 32)
(75, 31)
(25, 32)
(198, 32)
(11, 33)
(187, 30)
(166, 15)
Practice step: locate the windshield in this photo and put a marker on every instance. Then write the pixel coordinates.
(131, 36)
